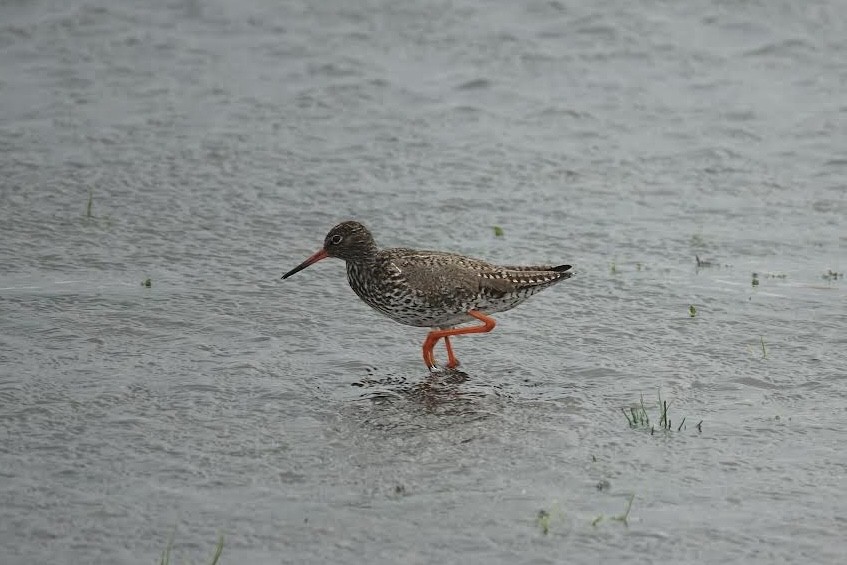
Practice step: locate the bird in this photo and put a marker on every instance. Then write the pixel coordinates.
(432, 289)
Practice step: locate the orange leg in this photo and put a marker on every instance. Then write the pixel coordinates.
(432, 338)
(452, 362)
(428, 345)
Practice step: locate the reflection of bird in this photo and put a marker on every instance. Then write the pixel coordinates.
(431, 288)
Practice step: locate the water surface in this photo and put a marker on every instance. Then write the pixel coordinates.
(217, 142)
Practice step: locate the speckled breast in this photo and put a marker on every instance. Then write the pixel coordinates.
(390, 295)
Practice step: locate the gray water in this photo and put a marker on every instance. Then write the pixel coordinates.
(209, 146)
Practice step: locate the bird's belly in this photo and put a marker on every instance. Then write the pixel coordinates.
(414, 310)
(411, 306)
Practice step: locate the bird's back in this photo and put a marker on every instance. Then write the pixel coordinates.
(437, 289)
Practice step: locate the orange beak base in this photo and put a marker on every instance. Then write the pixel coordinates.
(313, 259)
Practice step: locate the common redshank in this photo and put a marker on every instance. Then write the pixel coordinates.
(431, 289)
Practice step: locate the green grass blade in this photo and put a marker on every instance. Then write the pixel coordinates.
(219, 549)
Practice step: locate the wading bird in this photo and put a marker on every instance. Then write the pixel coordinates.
(431, 289)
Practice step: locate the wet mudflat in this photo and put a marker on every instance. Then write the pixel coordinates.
(677, 156)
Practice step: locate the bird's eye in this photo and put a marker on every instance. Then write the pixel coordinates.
(336, 239)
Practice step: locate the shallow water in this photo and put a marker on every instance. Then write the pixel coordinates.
(219, 141)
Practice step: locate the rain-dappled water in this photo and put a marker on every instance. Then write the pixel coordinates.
(209, 146)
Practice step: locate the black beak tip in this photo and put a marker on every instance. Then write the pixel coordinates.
(293, 271)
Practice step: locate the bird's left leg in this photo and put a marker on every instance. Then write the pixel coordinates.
(429, 355)
(452, 362)
(432, 338)
(428, 345)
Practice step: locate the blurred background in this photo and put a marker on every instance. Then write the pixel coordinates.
(163, 163)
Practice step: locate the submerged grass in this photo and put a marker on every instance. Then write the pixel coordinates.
(543, 521)
(88, 217)
(545, 518)
(751, 349)
(623, 518)
(627, 267)
(831, 275)
(637, 416)
(216, 555)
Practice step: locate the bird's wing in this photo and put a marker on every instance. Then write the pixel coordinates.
(433, 271)
(438, 272)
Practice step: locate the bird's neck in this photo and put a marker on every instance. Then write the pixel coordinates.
(366, 261)
(363, 274)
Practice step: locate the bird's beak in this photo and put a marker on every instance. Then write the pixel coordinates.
(313, 259)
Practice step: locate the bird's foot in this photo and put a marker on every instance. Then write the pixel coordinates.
(444, 369)
(435, 370)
